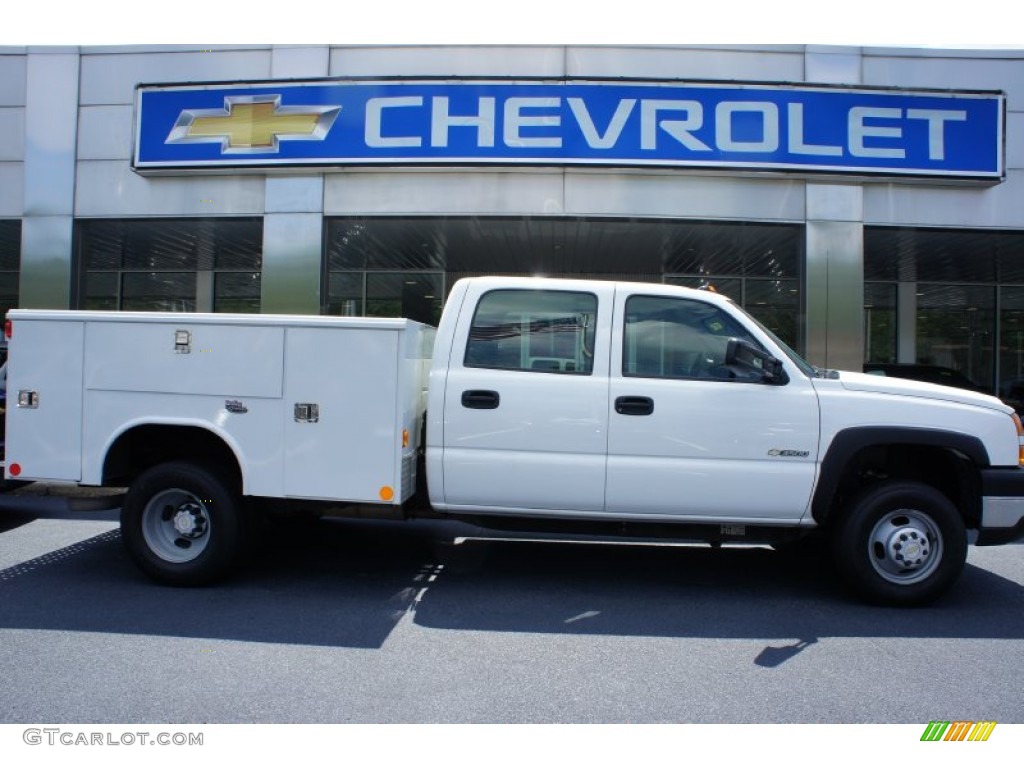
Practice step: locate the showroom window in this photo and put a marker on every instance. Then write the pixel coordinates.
(405, 266)
(880, 339)
(176, 265)
(10, 262)
(384, 268)
(959, 295)
(956, 329)
(756, 265)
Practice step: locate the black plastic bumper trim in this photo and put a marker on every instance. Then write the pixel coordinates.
(1003, 481)
(988, 537)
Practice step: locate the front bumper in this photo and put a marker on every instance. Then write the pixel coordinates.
(1002, 506)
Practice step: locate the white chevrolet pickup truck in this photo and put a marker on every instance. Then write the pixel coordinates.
(566, 406)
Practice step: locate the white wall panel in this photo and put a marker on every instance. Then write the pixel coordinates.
(12, 189)
(12, 133)
(551, 193)
(998, 206)
(299, 61)
(683, 195)
(111, 188)
(111, 78)
(918, 71)
(12, 81)
(105, 133)
(1015, 140)
(835, 202)
(841, 66)
(445, 61)
(782, 63)
(427, 192)
(295, 194)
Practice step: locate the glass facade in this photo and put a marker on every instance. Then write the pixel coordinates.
(176, 265)
(964, 297)
(880, 328)
(10, 262)
(939, 297)
(955, 329)
(405, 266)
(1011, 345)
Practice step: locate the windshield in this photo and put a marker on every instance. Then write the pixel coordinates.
(806, 368)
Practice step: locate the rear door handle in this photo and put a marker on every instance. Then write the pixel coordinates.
(632, 405)
(480, 399)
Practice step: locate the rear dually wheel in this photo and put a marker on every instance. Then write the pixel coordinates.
(183, 524)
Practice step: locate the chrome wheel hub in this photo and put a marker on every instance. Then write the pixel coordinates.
(176, 525)
(909, 547)
(190, 521)
(905, 546)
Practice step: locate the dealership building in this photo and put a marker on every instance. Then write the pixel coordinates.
(867, 204)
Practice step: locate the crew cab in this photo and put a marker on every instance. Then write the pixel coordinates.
(570, 406)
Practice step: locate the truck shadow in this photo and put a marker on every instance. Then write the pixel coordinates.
(310, 586)
(347, 584)
(504, 586)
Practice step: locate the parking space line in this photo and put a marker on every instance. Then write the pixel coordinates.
(40, 538)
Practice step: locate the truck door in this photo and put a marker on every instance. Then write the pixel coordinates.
(689, 440)
(526, 399)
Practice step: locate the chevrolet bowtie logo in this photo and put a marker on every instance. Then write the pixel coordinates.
(251, 124)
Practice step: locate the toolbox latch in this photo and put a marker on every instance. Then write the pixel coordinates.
(182, 342)
(307, 413)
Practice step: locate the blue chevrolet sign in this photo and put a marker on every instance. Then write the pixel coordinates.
(743, 127)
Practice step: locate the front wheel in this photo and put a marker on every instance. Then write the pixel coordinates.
(182, 524)
(900, 543)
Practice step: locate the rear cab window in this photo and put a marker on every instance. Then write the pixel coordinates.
(542, 331)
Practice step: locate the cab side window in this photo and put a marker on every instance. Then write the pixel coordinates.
(539, 331)
(672, 338)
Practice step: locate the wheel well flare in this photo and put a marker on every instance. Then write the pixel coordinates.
(952, 468)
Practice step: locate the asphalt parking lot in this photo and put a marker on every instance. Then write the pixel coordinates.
(355, 622)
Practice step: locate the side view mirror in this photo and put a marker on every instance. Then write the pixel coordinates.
(751, 362)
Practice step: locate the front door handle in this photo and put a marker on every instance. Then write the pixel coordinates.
(631, 405)
(480, 399)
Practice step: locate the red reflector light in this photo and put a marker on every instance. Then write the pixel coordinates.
(8, 328)
(14, 470)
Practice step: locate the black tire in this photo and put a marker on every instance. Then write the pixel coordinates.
(183, 525)
(900, 543)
